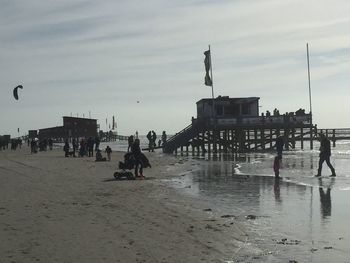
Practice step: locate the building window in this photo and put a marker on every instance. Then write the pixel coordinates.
(245, 109)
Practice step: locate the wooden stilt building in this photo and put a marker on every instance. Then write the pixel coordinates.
(228, 124)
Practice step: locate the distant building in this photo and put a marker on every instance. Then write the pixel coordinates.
(57, 133)
(73, 127)
(234, 112)
(80, 127)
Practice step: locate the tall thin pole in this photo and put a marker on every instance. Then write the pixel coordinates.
(212, 94)
(308, 73)
(212, 86)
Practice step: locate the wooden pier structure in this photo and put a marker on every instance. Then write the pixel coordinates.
(237, 126)
(240, 137)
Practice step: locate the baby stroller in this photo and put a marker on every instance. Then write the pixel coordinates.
(131, 162)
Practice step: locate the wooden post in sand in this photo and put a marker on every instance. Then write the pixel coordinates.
(262, 138)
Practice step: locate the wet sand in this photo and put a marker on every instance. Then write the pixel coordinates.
(298, 218)
(56, 209)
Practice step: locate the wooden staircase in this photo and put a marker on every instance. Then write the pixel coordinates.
(182, 138)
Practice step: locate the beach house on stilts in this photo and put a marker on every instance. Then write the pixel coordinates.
(235, 125)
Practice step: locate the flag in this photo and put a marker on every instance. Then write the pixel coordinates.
(113, 123)
(207, 64)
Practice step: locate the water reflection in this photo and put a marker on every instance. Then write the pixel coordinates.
(325, 198)
(277, 190)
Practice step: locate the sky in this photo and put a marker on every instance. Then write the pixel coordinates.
(142, 61)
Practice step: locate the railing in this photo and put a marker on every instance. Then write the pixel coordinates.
(122, 137)
(262, 120)
(178, 133)
(336, 134)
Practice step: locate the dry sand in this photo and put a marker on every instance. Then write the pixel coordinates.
(56, 209)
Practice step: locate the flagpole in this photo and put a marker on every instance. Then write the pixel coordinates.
(212, 87)
(308, 74)
(212, 94)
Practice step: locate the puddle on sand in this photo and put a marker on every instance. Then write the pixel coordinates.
(298, 217)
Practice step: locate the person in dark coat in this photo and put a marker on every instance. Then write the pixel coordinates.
(154, 140)
(164, 137)
(150, 142)
(50, 143)
(136, 152)
(325, 154)
(108, 151)
(66, 149)
(82, 150)
(90, 145)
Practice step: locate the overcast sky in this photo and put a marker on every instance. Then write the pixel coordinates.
(102, 57)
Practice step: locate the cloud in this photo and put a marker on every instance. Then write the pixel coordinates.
(103, 56)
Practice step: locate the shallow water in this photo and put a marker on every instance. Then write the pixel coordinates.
(298, 217)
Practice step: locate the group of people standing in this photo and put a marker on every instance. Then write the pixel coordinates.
(41, 145)
(152, 139)
(86, 147)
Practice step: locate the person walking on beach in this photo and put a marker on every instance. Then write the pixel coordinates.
(136, 152)
(164, 137)
(66, 148)
(154, 140)
(90, 145)
(82, 150)
(150, 143)
(50, 143)
(109, 151)
(325, 154)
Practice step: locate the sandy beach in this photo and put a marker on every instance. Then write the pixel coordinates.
(56, 209)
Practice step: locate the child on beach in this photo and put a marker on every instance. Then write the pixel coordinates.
(276, 166)
(108, 151)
